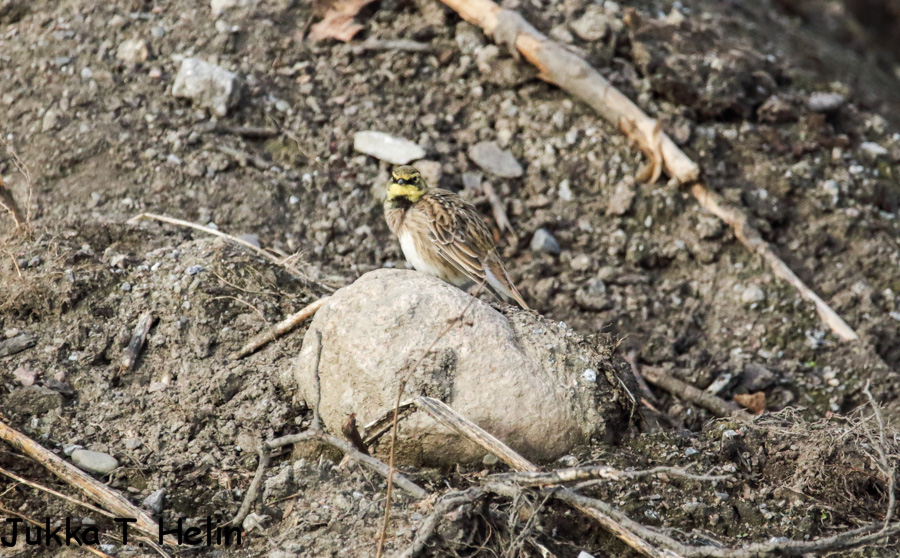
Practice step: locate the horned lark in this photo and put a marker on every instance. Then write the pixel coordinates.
(442, 235)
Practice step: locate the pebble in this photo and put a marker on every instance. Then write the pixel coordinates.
(133, 51)
(208, 85)
(544, 241)
(218, 7)
(25, 376)
(492, 159)
(126, 286)
(621, 199)
(825, 102)
(593, 25)
(50, 120)
(753, 294)
(589, 375)
(94, 461)
(154, 502)
(490, 460)
(565, 191)
(132, 443)
(584, 554)
(690, 451)
(873, 149)
(87, 73)
(69, 448)
(394, 150)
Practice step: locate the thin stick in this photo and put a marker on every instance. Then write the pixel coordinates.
(446, 416)
(378, 427)
(889, 470)
(55, 493)
(253, 489)
(447, 503)
(245, 158)
(137, 342)
(278, 330)
(88, 547)
(354, 455)
(401, 45)
(500, 213)
(8, 202)
(712, 403)
(563, 68)
(475, 433)
(394, 425)
(92, 488)
(259, 251)
(573, 474)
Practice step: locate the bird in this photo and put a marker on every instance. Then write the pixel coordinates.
(443, 235)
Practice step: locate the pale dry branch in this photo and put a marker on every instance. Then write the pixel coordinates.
(564, 68)
(137, 342)
(292, 269)
(92, 488)
(56, 493)
(576, 474)
(686, 392)
(278, 330)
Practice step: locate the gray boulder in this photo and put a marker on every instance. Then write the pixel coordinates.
(533, 383)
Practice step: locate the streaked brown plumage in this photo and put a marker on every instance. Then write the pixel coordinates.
(442, 235)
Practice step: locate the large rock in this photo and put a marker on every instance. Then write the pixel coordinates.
(535, 384)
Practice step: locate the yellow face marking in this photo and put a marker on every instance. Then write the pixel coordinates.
(407, 191)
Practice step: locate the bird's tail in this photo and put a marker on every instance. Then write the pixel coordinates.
(499, 282)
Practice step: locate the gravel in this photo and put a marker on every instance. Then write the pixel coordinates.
(544, 241)
(207, 85)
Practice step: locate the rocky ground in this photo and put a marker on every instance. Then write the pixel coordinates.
(786, 118)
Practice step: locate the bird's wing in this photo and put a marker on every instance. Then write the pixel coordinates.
(459, 234)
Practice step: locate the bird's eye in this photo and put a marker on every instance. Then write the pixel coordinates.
(401, 181)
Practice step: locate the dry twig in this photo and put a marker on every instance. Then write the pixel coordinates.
(712, 403)
(281, 328)
(569, 71)
(292, 269)
(574, 474)
(137, 342)
(92, 488)
(8, 202)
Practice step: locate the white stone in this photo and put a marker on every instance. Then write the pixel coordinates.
(133, 51)
(753, 294)
(388, 148)
(94, 461)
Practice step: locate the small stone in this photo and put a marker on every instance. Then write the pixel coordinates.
(565, 191)
(494, 160)
(126, 286)
(133, 51)
(589, 375)
(87, 73)
(69, 448)
(208, 85)
(872, 149)
(25, 376)
(280, 485)
(132, 443)
(195, 269)
(776, 109)
(592, 295)
(621, 199)
(490, 460)
(94, 461)
(593, 25)
(388, 148)
(753, 294)
(51, 120)
(825, 102)
(32, 400)
(756, 378)
(584, 554)
(690, 451)
(218, 7)
(544, 241)
(155, 501)
(431, 171)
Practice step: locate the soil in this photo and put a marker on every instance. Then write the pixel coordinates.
(103, 140)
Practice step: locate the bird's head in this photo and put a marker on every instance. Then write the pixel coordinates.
(406, 185)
